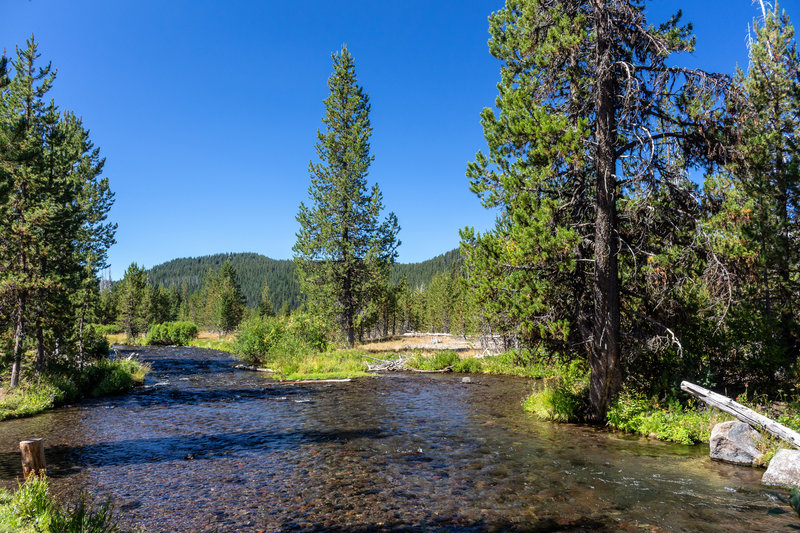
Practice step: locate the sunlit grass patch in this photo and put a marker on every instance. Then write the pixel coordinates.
(562, 397)
(223, 345)
(336, 364)
(101, 378)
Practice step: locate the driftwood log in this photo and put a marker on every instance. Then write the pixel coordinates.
(33, 463)
(342, 380)
(253, 368)
(743, 413)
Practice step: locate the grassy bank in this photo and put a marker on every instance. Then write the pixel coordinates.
(563, 397)
(50, 390)
(507, 363)
(31, 508)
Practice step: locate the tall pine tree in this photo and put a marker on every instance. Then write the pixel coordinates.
(53, 206)
(762, 195)
(343, 252)
(586, 162)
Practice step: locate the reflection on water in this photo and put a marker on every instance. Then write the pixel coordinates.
(209, 448)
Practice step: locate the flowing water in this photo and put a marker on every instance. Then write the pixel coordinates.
(205, 447)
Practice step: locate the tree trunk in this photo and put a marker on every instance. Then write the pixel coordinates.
(19, 333)
(39, 331)
(81, 320)
(784, 258)
(33, 462)
(604, 361)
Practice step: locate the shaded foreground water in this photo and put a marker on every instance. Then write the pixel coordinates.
(208, 448)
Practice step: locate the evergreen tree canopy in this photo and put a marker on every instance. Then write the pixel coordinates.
(343, 252)
(53, 206)
(225, 302)
(132, 301)
(587, 157)
(754, 203)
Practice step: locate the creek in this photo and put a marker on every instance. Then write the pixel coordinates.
(204, 447)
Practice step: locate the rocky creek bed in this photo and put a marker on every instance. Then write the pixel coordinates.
(206, 447)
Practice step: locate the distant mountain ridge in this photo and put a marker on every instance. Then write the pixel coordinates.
(254, 268)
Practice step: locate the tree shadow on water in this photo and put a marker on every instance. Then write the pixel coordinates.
(543, 525)
(173, 396)
(63, 460)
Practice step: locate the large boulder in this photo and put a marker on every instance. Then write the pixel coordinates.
(783, 469)
(735, 442)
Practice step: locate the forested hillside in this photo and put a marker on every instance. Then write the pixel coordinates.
(253, 269)
(418, 275)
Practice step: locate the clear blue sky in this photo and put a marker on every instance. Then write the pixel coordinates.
(207, 112)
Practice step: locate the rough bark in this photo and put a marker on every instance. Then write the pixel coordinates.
(19, 333)
(33, 462)
(604, 362)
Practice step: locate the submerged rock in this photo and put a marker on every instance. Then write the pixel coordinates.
(734, 442)
(783, 470)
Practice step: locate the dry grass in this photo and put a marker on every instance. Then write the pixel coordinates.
(212, 335)
(423, 343)
(116, 338)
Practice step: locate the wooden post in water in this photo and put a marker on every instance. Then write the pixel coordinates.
(33, 462)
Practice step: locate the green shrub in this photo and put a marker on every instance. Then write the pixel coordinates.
(97, 379)
(171, 334)
(562, 398)
(280, 339)
(113, 377)
(469, 365)
(257, 336)
(107, 329)
(95, 345)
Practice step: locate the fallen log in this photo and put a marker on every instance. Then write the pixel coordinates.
(743, 413)
(253, 368)
(445, 369)
(344, 380)
(386, 365)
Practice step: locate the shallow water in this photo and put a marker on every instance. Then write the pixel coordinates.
(208, 448)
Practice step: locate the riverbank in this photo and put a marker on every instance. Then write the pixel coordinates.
(53, 389)
(563, 397)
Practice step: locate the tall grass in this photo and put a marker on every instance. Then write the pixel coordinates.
(33, 509)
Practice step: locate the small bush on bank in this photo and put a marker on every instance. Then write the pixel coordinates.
(269, 340)
(257, 338)
(32, 508)
(562, 398)
(171, 334)
(107, 329)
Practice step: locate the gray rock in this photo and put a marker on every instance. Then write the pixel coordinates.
(734, 442)
(466, 380)
(783, 469)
